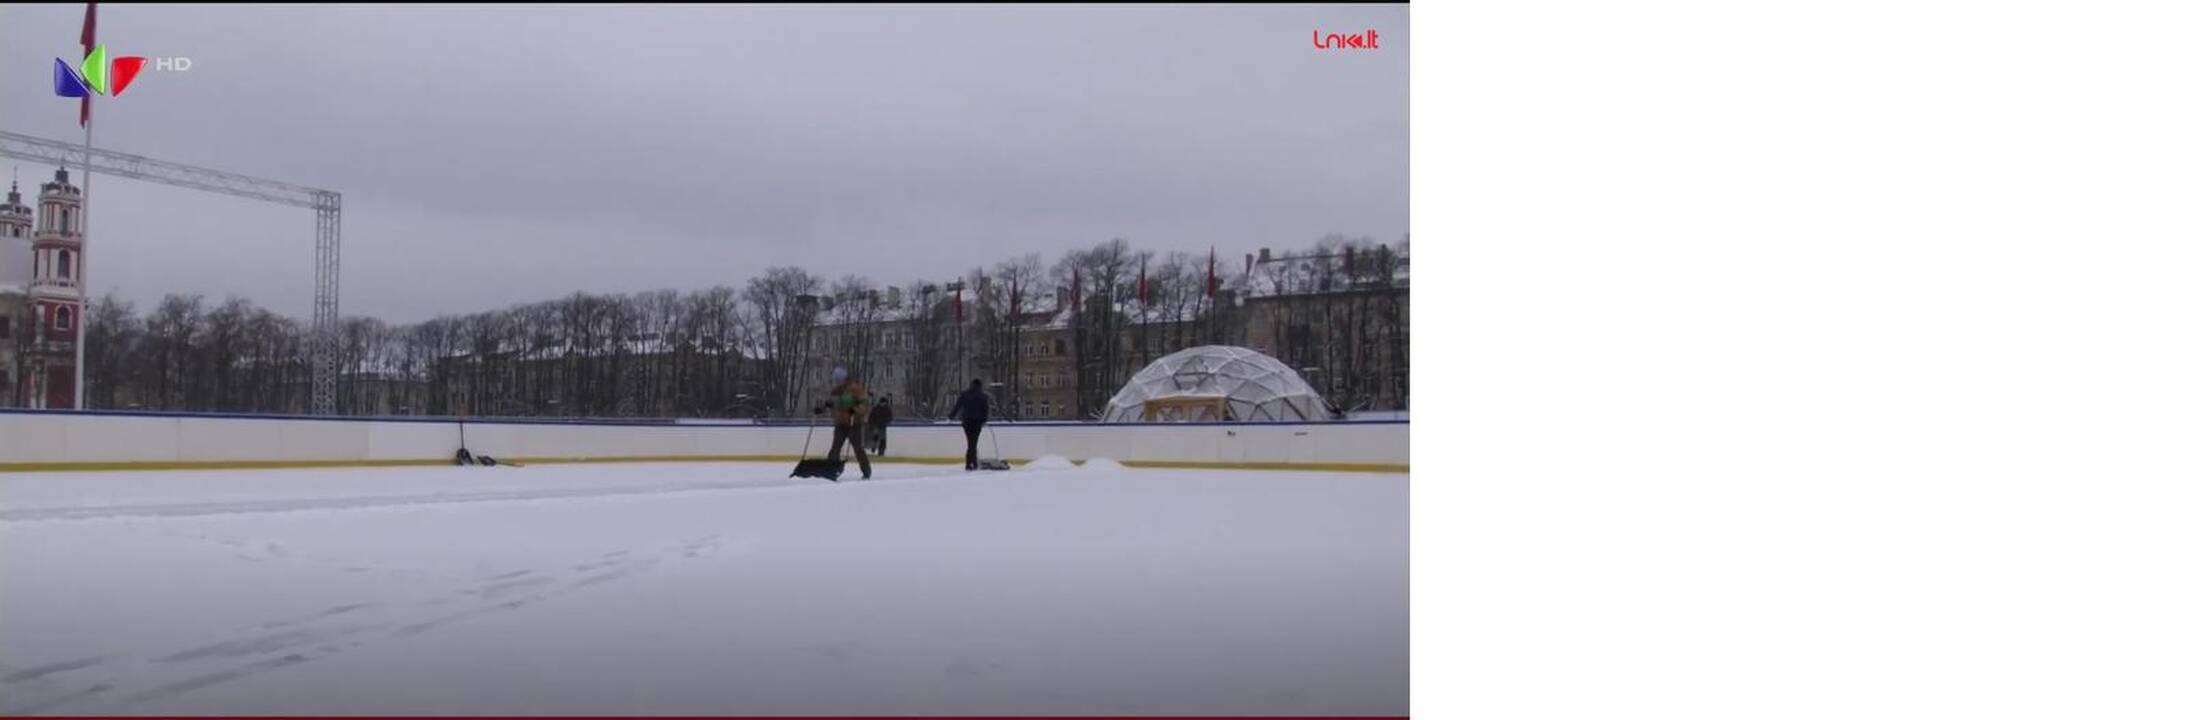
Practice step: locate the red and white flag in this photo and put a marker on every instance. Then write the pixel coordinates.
(1210, 272)
(1142, 281)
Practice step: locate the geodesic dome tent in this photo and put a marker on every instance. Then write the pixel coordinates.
(1216, 383)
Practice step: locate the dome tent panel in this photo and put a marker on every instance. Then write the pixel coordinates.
(1247, 387)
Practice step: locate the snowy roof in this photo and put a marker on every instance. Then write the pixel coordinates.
(640, 344)
(1301, 275)
(1051, 311)
(1250, 386)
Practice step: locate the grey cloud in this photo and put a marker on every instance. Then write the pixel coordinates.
(491, 155)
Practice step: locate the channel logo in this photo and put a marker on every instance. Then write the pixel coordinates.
(98, 74)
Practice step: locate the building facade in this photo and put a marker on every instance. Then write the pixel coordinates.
(1342, 320)
(41, 295)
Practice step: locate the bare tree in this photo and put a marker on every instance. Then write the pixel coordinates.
(720, 384)
(783, 308)
(931, 319)
(855, 325)
(171, 334)
(112, 343)
(1098, 331)
(1338, 311)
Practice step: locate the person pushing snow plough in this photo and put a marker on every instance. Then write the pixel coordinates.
(971, 405)
(849, 405)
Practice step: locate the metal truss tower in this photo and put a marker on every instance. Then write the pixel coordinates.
(326, 300)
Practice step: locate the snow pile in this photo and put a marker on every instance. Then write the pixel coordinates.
(1103, 465)
(1051, 462)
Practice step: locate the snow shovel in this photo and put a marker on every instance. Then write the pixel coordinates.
(462, 446)
(997, 463)
(812, 466)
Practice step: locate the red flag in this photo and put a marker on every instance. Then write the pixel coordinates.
(1075, 307)
(960, 302)
(1210, 272)
(1142, 281)
(90, 40)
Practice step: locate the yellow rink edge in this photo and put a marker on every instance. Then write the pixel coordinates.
(929, 460)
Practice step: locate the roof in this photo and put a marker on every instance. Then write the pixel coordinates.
(1301, 275)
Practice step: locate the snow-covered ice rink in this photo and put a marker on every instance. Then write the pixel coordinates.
(703, 588)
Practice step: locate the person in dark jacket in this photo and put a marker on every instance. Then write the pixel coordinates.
(972, 405)
(883, 414)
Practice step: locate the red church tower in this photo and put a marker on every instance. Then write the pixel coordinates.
(56, 295)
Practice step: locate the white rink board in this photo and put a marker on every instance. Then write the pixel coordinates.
(56, 437)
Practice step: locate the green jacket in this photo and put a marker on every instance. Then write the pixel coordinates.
(848, 403)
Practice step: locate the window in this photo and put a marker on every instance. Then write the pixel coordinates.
(64, 265)
(61, 318)
(1059, 348)
(4, 327)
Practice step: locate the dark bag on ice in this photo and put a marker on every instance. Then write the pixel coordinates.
(818, 468)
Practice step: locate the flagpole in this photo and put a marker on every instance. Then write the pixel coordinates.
(83, 208)
(83, 270)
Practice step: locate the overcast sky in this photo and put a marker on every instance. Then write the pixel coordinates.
(491, 155)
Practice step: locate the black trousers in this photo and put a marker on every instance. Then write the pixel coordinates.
(854, 434)
(971, 443)
(880, 439)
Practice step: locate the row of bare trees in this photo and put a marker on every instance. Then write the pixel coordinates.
(736, 352)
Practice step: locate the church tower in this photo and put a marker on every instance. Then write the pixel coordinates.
(56, 294)
(15, 216)
(15, 221)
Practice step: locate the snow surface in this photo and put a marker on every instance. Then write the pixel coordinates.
(1051, 462)
(703, 589)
